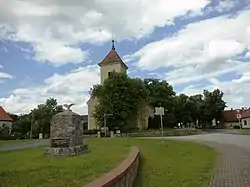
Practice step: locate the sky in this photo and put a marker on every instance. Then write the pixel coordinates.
(51, 48)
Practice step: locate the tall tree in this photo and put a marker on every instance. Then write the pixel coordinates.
(213, 105)
(120, 96)
(161, 94)
(41, 116)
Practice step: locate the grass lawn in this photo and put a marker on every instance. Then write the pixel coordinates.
(8, 142)
(176, 164)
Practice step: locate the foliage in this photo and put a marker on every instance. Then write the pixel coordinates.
(38, 119)
(119, 99)
(122, 96)
(42, 115)
(157, 133)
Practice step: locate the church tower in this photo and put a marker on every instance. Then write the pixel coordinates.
(112, 62)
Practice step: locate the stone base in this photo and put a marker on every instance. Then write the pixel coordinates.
(66, 151)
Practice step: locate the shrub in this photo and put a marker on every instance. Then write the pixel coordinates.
(236, 127)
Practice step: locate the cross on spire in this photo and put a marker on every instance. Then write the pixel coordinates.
(113, 44)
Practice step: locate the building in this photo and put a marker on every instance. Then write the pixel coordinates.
(113, 62)
(5, 119)
(236, 117)
(84, 121)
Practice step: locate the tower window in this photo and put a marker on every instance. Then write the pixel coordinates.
(109, 74)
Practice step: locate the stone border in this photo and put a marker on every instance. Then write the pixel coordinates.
(123, 175)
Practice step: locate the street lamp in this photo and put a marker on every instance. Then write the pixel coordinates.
(105, 122)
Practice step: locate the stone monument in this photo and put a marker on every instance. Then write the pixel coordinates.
(66, 134)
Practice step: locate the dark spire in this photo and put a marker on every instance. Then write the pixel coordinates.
(113, 44)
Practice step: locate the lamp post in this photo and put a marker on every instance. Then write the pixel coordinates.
(105, 123)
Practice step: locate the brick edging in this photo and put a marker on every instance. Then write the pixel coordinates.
(123, 175)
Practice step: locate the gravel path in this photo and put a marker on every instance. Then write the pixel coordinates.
(233, 166)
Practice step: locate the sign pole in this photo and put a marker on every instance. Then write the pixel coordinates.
(161, 128)
(105, 124)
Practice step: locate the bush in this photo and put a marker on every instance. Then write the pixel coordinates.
(157, 133)
(90, 132)
(236, 127)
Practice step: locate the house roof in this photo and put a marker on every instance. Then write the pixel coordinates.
(112, 57)
(4, 116)
(231, 115)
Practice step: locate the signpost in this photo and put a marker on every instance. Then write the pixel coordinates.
(160, 112)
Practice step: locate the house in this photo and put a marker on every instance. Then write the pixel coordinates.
(5, 119)
(229, 118)
(113, 62)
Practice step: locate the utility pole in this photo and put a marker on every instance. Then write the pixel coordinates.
(31, 125)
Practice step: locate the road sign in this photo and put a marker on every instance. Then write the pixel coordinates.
(159, 111)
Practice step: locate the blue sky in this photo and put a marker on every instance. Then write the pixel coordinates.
(51, 49)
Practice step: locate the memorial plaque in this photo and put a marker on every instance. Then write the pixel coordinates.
(59, 143)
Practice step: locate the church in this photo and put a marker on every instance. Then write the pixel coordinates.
(113, 62)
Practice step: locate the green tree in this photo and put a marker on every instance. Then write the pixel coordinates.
(183, 109)
(120, 96)
(41, 116)
(213, 105)
(161, 94)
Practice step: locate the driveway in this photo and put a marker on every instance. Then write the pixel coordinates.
(233, 166)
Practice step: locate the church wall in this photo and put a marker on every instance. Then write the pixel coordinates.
(91, 120)
(105, 69)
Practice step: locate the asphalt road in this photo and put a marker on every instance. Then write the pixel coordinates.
(24, 145)
(222, 138)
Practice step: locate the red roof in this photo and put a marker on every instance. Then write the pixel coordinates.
(4, 116)
(231, 115)
(111, 57)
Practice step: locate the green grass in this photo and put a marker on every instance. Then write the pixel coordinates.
(163, 164)
(175, 164)
(9, 142)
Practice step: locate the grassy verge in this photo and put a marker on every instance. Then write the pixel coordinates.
(9, 142)
(175, 164)
(163, 164)
(31, 168)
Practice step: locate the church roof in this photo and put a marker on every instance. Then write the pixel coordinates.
(111, 57)
(4, 116)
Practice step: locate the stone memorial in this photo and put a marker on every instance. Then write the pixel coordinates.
(66, 134)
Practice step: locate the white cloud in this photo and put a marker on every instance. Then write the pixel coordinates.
(204, 50)
(200, 50)
(1, 66)
(5, 75)
(236, 92)
(55, 29)
(225, 5)
(66, 88)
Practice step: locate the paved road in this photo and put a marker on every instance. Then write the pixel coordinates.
(24, 145)
(233, 167)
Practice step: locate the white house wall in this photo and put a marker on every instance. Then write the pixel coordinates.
(247, 125)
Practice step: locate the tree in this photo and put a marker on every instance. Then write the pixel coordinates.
(41, 116)
(161, 94)
(120, 96)
(213, 105)
(183, 109)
